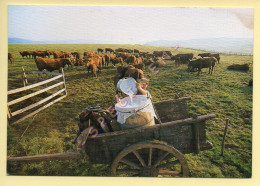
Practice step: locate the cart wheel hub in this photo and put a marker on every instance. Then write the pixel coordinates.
(150, 172)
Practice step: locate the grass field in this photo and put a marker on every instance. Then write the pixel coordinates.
(223, 93)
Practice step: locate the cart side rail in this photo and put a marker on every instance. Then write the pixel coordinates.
(154, 127)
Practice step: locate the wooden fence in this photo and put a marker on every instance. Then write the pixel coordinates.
(56, 80)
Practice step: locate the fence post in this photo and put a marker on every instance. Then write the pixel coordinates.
(62, 71)
(25, 82)
(224, 137)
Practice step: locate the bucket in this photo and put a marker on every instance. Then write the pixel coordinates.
(134, 113)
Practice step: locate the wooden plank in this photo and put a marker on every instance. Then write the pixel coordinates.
(32, 86)
(155, 127)
(33, 94)
(64, 80)
(45, 157)
(37, 104)
(38, 110)
(8, 113)
(39, 72)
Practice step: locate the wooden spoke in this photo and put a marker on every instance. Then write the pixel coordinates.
(168, 164)
(127, 162)
(139, 158)
(160, 159)
(150, 157)
(168, 172)
(128, 171)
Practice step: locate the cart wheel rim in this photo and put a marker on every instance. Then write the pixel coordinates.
(147, 159)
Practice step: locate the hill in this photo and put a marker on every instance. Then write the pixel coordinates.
(225, 45)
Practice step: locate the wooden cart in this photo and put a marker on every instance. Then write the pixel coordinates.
(147, 151)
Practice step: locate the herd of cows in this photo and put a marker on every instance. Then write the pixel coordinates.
(131, 62)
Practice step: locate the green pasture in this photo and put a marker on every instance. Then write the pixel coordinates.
(224, 93)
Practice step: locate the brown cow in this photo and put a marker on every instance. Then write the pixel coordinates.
(129, 71)
(27, 53)
(241, 67)
(210, 55)
(10, 57)
(118, 60)
(184, 58)
(93, 67)
(42, 54)
(107, 59)
(206, 62)
(139, 66)
(100, 50)
(94, 62)
(76, 55)
(131, 59)
(102, 58)
(148, 61)
(79, 62)
(138, 60)
(109, 50)
(52, 64)
(177, 61)
(58, 55)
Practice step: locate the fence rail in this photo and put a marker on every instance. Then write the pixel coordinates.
(57, 76)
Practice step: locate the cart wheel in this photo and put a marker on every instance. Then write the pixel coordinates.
(150, 159)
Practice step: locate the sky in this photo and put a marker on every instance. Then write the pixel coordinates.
(127, 25)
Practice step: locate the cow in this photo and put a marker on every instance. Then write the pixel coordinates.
(242, 67)
(107, 59)
(157, 53)
(109, 50)
(52, 64)
(131, 59)
(124, 55)
(93, 63)
(177, 61)
(140, 66)
(129, 71)
(102, 58)
(148, 61)
(168, 53)
(184, 58)
(204, 54)
(121, 50)
(58, 55)
(136, 51)
(26, 53)
(206, 62)
(42, 54)
(118, 60)
(10, 57)
(93, 67)
(100, 50)
(51, 52)
(79, 62)
(89, 54)
(210, 55)
(138, 60)
(76, 55)
(159, 63)
(72, 59)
